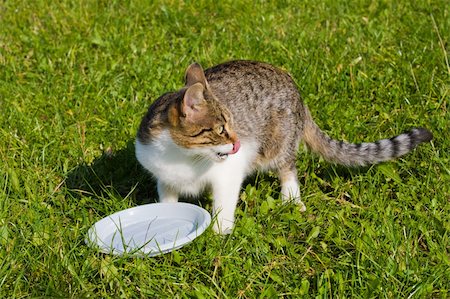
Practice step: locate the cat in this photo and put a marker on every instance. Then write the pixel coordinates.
(233, 119)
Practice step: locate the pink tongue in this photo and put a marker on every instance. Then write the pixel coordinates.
(236, 147)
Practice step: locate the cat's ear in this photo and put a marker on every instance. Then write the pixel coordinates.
(193, 100)
(195, 74)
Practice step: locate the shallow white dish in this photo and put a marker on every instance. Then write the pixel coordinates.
(150, 229)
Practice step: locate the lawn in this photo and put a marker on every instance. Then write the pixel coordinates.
(77, 76)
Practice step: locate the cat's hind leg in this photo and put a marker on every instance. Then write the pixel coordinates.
(166, 193)
(290, 188)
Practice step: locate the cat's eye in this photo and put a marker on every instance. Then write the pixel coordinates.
(220, 130)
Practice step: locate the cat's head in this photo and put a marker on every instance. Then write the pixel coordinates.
(199, 122)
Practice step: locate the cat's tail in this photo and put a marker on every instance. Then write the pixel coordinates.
(360, 154)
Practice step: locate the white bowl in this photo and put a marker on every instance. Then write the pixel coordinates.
(150, 229)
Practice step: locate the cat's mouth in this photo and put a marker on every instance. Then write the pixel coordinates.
(222, 156)
(234, 150)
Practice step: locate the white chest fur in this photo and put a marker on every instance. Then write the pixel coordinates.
(184, 170)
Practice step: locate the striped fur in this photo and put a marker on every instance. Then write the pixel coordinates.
(361, 154)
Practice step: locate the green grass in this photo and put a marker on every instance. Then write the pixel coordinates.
(77, 76)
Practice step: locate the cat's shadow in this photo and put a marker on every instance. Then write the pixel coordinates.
(115, 173)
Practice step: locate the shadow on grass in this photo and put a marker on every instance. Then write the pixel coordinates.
(113, 174)
(118, 174)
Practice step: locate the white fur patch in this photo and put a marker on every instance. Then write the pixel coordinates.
(290, 190)
(172, 164)
(189, 171)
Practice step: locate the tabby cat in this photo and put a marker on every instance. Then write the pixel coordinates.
(236, 118)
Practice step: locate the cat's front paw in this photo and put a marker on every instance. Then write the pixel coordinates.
(168, 199)
(223, 227)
